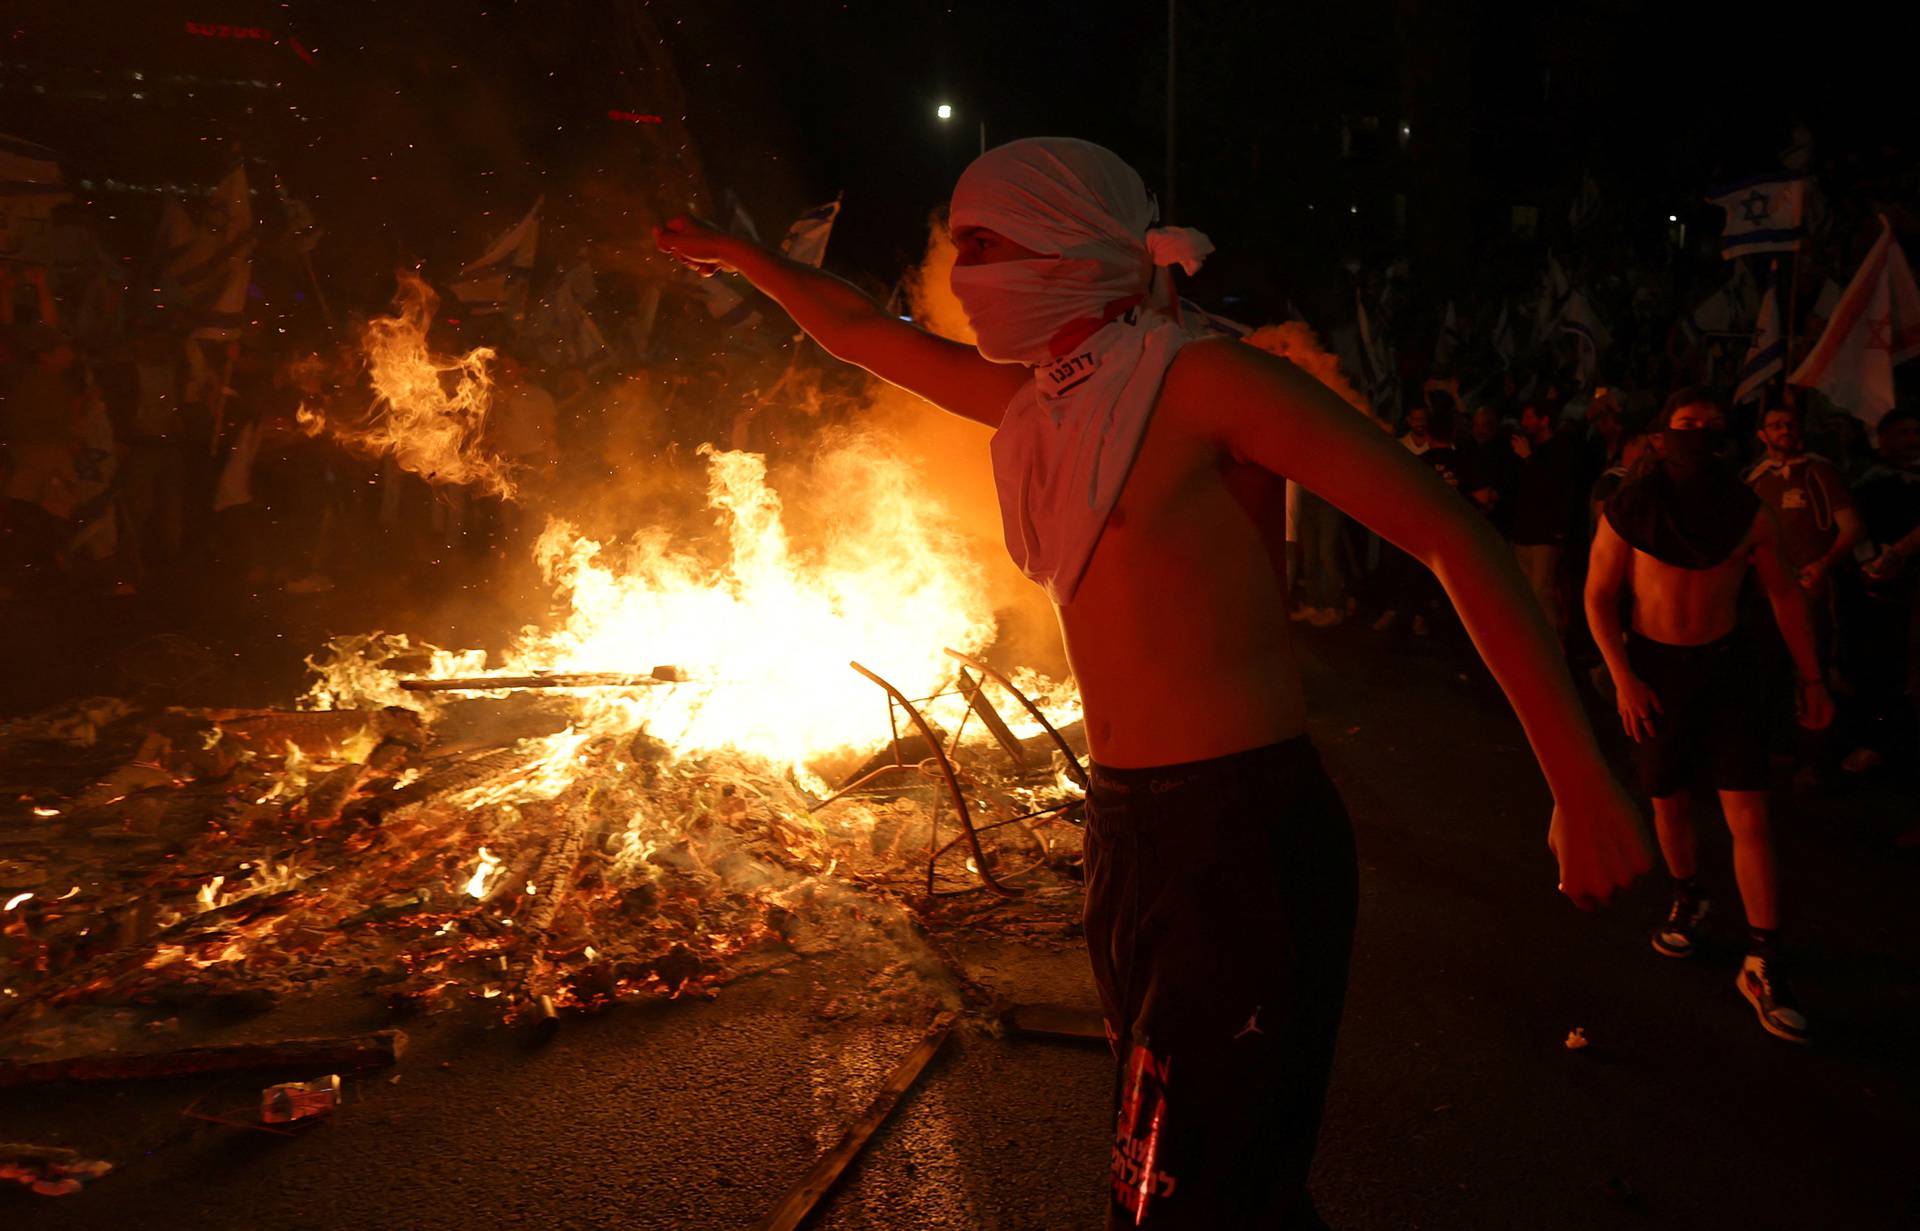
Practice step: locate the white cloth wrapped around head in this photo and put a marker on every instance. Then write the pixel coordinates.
(1087, 315)
(1090, 216)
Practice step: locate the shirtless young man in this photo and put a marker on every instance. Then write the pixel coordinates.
(1690, 686)
(1220, 863)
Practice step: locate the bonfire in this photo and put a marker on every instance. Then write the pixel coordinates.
(725, 745)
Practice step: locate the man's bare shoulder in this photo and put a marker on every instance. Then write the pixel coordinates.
(1211, 380)
(1209, 362)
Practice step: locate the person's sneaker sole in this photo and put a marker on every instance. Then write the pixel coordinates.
(1766, 1023)
(1665, 949)
(1686, 946)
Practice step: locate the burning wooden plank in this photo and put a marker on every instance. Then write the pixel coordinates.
(470, 771)
(575, 679)
(326, 798)
(366, 1051)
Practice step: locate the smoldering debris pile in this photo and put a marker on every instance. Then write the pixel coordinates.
(179, 858)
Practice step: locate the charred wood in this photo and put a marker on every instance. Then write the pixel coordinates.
(327, 798)
(319, 731)
(458, 776)
(367, 1051)
(799, 1203)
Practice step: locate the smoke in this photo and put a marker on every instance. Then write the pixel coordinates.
(1295, 341)
(934, 303)
(951, 455)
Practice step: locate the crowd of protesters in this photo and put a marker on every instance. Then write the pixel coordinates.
(137, 451)
(1542, 467)
(147, 456)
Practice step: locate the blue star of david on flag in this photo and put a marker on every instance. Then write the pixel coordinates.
(1763, 214)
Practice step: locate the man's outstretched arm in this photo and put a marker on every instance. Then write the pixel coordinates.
(851, 327)
(1265, 411)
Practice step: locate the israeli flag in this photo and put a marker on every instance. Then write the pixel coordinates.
(1767, 356)
(806, 240)
(1764, 214)
(1579, 319)
(497, 278)
(209, 263)
(724, 304)
(30, 186)
(1448, 339)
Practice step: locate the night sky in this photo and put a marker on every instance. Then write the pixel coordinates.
(419, 129)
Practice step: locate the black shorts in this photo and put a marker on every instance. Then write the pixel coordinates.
(1220, 910)
(1712, 724)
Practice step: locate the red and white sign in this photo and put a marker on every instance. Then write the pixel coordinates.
(215, 29)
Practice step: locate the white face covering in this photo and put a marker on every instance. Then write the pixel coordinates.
(1016, 308)
(1065, 446)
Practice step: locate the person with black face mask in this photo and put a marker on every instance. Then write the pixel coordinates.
(1679, 538)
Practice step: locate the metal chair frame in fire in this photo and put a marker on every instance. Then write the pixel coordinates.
(943, 767)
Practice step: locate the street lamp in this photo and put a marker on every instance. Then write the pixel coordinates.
(945, 112)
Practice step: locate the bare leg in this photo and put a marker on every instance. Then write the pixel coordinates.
(1675, 828)
(1753, 866)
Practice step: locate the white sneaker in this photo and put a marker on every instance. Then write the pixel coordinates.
(1772, 999)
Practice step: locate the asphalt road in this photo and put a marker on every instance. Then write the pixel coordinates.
(1454, 1102)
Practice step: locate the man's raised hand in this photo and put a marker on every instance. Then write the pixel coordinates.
(707, 250)
(1600, 844)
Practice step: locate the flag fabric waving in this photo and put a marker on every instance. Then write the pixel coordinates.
(1554, 289)
(806, 240)
(490, 283)
(1729, 309)
(724, 304)
(1585, 209)
(1767, 356)
(1763, 215)
(1503, 338)
(207, 265)
(1448, 339)
(1875, 325)
(1823, 305)
(30, 186)
(1382, 377)
(1579, 319)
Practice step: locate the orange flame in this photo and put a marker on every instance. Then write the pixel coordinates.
(430, 410)
(764, 637)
